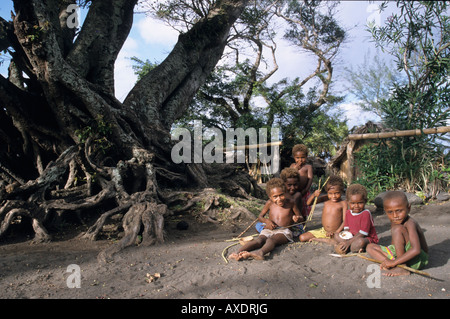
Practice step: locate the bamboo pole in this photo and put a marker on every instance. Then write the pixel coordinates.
(247, 147)
(436, 130)
(309, 217)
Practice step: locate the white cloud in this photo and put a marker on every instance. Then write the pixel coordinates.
(123, 73)
(156, 32)
(356, 116)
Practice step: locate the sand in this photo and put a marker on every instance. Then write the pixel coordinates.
(190, 265)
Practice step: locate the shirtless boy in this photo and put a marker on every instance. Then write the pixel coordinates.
(282, 213)
(332, 215)
(291, 179)
(408, 241)
(300, 154)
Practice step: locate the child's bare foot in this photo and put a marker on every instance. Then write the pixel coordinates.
(395, 272)
(257, 254)
(236, 256)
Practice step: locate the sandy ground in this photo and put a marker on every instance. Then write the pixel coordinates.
(191, 266)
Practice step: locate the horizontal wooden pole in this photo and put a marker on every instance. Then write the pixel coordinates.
(366, 136)
(244, 147)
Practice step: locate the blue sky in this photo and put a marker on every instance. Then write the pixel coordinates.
(150, 39)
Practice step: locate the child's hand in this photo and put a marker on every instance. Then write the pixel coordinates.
(270, 225)
(387, 264)
(297, 219)
(342, 247)
(317, 193)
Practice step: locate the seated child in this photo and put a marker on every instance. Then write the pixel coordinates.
(408, 241)
(300, 154)
(291, 179)
(282, 213)
(332, 214)
(358, 221)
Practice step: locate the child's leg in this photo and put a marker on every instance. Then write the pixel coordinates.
(269, 245)
(376, 252)
(399, 242)
(306, 237)
(359, 245)
(255, 243)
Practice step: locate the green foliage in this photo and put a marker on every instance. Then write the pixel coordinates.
(98, 130)
(141, 68)
(418, 38)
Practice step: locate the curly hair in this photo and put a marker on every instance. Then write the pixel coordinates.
(356, 189)
(289, 172)
(335, 180)
(274, 182)
(299, 148)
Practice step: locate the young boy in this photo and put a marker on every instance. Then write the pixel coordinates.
(358, 221)
(332, 214)
(291, 179)
(408, 241)
(300, 155)
(282, 213)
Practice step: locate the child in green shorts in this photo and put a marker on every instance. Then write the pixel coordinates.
(408, 241)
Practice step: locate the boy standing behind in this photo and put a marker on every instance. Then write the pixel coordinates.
(300, 155)
(332, 214)
(408, 241)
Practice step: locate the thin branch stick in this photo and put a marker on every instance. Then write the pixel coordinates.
(248, 228)
(315, 202)
(419, 272)
(226, 250)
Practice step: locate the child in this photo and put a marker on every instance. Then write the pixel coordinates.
(282, 213)
(300, 154)
(291, 179)
(408, 241)
(332, 214)
(358, 221)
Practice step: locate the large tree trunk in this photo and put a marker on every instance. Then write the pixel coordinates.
(67, 144)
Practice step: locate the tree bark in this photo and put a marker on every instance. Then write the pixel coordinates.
(67, 144)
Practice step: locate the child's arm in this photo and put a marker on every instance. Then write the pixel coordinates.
(402, 256)
(320, 199)
(262, 219)
(310, 179)
(297, 215)
(344, 210)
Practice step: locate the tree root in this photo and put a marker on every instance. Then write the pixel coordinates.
(75, 183)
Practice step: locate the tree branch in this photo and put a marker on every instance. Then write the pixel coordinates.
(175, 81)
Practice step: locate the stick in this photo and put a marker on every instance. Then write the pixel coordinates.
(225, 251)
(237, 238)
(315, 202)
(347, 255)
(248, 228)
(419, 272)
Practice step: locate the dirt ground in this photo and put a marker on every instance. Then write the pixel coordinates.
(190, 265)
